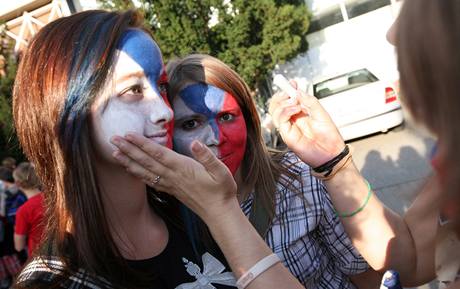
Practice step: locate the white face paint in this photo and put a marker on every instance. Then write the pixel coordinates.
(132, 102)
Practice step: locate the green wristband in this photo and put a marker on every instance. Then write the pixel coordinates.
(347, 215)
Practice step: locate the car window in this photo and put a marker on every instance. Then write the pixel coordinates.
(343, 82)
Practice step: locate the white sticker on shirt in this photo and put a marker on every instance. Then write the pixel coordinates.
(212, 274)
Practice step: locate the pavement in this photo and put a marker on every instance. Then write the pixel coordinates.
(395, 163)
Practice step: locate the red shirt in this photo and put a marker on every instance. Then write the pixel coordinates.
(29, 221)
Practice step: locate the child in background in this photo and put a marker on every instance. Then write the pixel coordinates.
(29, 228)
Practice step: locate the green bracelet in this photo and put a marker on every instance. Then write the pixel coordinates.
(347, 215)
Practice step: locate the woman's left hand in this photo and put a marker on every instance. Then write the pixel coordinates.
(205, 184)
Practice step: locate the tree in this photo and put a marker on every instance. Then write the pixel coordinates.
(9, 145)
(251, 36)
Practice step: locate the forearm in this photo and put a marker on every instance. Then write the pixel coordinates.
(243, 247)
(380, 235)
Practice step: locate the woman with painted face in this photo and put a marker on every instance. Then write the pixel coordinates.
(82, 80)
(288, 206)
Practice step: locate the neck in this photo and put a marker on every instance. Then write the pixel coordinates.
(30, 192)
(132, 221)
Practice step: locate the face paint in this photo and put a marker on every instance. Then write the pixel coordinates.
(137, 104)
(212, 116)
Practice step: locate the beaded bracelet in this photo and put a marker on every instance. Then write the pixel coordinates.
(347, 215)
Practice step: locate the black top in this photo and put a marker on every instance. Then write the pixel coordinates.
(179, 267)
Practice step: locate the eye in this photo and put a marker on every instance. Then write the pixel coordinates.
(190, 124)
(133, 93)
(226, 117)
(136, 89)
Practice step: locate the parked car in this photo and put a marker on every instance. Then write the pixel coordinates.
(359, 103)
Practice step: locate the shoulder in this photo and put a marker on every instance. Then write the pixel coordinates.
(298, 182)
(51, 270)
(299, 194)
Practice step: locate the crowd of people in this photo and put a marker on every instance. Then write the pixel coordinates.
(145, 175)
(21, 217)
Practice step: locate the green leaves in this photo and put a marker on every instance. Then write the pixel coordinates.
(8, 65)
(251, 36)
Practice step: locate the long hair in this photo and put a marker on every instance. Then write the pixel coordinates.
(64, 68)
(428, 45)
(261, 168)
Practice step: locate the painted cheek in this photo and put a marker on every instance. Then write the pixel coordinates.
(170, 125)
(232, 136)
(118, 119)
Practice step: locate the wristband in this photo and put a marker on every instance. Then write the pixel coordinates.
(327, 170)
(260, 267)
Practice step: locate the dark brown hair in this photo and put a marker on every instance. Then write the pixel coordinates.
(64, 68)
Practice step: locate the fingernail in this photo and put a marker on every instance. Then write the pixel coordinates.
(116, 140)
(197, 147)
(116, 154)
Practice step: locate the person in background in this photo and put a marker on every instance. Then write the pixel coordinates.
(10, 261)
(9, 162)
(28, 229)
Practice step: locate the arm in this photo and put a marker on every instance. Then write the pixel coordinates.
(207, 187)
(19, 242)
(384, 238)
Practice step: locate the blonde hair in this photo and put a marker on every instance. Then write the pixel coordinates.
(25, 177)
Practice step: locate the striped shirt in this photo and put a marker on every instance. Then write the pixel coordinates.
(308, 236)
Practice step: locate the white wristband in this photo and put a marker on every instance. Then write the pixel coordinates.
(260, 267)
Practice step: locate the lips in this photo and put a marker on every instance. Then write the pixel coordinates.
(160, 137)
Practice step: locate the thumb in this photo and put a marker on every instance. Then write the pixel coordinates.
(204, 156)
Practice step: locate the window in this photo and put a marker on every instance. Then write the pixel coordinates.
(343, 83)
(359, 7)
(325, 19)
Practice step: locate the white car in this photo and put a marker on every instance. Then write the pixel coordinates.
(359, 103)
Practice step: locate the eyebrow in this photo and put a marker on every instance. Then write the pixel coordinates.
(187, 117)
(138, 74)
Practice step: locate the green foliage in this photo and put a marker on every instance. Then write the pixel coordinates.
(8, 141)
(251, 36)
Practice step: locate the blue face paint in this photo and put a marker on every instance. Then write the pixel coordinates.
(145, 52)
(204, 99)
(212, 116)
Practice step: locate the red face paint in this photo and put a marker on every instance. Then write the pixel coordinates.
(163, 88)
(212, 116)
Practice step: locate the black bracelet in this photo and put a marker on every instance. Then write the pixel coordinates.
(329, 166)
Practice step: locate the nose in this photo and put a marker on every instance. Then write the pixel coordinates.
(211, 137)
(160, 111)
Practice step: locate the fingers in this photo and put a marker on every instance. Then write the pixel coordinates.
(284, 110)
(157, 152)
(209, 161)
(132, 167)
(275, 101)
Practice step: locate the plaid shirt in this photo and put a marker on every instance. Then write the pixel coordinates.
(46, 269)
(308, 236)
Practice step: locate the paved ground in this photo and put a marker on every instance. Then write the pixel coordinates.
(396, 164)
